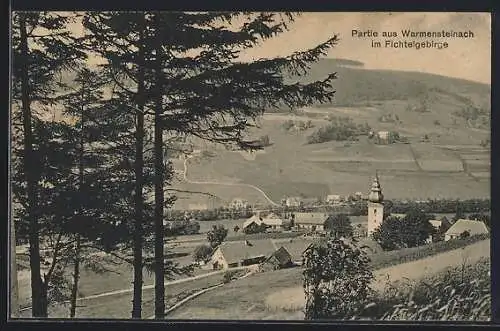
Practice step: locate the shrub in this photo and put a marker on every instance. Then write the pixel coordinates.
(340, 225)
(336, 279)
(202, 253)
(459, 294)
(217, 235)
(410, 231)
(228, 276)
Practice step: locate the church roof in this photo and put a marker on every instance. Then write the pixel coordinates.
(376, 191)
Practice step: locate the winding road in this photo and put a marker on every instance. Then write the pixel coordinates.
(187, 180)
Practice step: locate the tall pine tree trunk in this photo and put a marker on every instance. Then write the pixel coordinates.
(139, 184)
(14, 292)
(76, 261)
(159, 196)
(39, 299)
(76, 277)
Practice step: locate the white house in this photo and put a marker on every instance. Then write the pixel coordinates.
(293, 202)
(238, 203)
(333, 199)
(462, 225)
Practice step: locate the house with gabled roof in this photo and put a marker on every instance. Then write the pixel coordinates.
(310, 221)
(474, 228)
(236, 253)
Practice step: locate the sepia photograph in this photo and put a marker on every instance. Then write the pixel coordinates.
(285, 166)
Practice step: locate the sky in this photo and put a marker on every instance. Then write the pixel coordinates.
(464, 58)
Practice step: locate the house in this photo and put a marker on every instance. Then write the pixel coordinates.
(238, 203)
(293, 202)
(333, 199)
(462, 225)
(274, 222)
(440, 226)
(383, 135)
(279, 259)
(310, 221)
(253, 221)
(235, 253)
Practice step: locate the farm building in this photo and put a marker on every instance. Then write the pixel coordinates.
(274, 222)
(462, 225)
(255, 220)
(280, 259)
(310, 221)
(236, 253)
(238, 203)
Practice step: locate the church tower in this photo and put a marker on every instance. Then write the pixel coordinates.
(375, 206)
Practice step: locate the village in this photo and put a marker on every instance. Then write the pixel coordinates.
(294, 231)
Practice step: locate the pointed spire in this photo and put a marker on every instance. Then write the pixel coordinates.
(376, 191)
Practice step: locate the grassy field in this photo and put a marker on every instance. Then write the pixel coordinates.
(452, 164)
(119, 306)
(249, 298)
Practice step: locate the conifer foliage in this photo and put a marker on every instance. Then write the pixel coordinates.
(164, 77)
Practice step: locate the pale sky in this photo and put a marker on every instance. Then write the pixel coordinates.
(464, 58)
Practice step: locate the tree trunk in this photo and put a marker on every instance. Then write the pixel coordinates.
(39, 307)
(139, 184)
(76, 277)
(159, 197)
(81, 179)
(14, 293)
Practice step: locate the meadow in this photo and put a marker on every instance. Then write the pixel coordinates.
(279, 294)
(451, 164)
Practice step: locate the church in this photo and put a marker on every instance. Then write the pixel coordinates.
(375, 206)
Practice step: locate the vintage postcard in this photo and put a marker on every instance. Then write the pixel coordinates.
(250, 166)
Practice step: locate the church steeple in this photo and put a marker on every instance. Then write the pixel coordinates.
(376, 191)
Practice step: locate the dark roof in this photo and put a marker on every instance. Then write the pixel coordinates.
(235, 251)
(282, 255)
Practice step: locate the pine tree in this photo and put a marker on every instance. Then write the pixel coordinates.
(41, 48)
(197, 87)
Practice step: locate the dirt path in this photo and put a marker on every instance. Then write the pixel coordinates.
(257, 299)
(226, 184)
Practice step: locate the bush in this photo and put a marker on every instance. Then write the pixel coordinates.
(340, 225)
(217, 235)
(228, 276)
(202, 253)
(336, 279)
(459, 294)
(410, 231)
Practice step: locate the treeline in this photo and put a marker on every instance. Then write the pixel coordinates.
(353, 208)
(339, 129)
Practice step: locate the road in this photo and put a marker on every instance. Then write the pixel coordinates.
(224, 183)
(26, 312)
